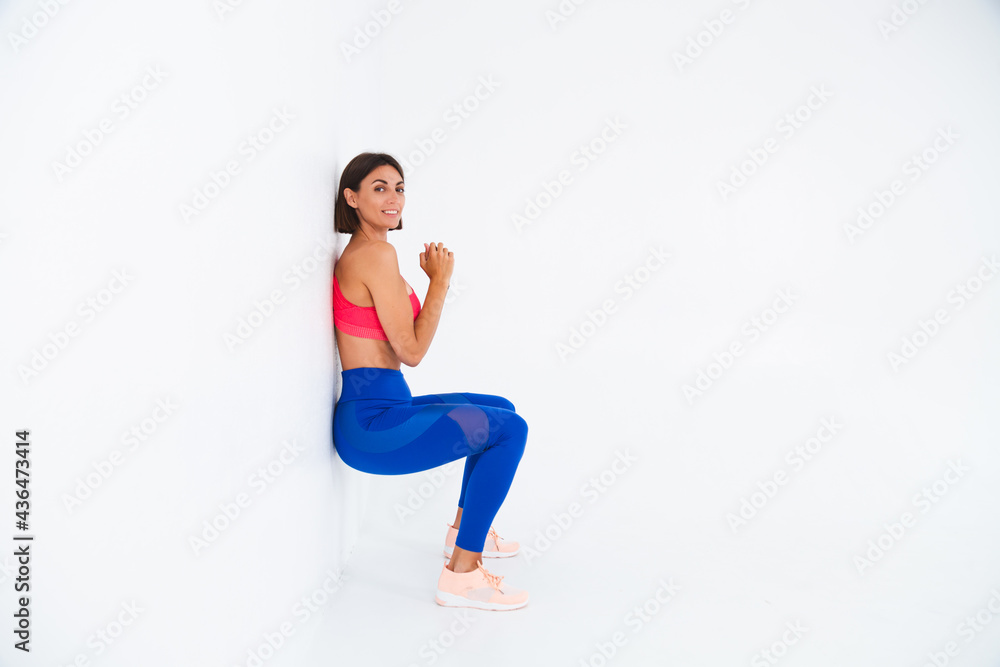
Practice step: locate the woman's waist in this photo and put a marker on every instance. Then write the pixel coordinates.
(369, 382)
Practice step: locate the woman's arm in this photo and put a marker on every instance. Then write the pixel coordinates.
(410, 339)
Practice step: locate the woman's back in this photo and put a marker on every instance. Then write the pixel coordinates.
(352, 272)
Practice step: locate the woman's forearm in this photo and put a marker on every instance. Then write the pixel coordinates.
(426, 324)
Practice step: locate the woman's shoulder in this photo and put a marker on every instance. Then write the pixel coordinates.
(374, 254)
(369, 248)
(365, 259)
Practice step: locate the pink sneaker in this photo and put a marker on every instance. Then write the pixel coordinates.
(495, 547)
(478, 589)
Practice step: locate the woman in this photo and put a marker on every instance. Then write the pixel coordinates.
(378, 426)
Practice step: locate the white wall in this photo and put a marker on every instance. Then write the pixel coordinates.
(518, 293)
(168, 333)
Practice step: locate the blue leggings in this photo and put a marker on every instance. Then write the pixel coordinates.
(380, 428)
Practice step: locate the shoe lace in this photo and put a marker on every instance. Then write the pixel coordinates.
(496, 538)
(492, 579)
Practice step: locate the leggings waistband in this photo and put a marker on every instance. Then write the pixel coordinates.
(372, 382)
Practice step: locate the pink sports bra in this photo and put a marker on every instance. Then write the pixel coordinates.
(362, 321)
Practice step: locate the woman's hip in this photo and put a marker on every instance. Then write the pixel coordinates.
(370, 383)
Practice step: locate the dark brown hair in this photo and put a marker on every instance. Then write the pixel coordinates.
(345, 216)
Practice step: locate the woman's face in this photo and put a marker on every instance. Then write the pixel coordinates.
(380, 200)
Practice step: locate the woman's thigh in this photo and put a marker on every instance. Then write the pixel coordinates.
(400, 439)
(465, 397)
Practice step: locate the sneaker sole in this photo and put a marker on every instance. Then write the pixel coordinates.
(452, 600)
(488, 554)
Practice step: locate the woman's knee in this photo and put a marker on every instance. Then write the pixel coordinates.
(516, 429)
(490, 400)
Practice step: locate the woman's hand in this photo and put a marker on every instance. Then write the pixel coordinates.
(437, 262)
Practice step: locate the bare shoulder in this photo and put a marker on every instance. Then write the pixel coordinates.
(374, 260)
(377, 250)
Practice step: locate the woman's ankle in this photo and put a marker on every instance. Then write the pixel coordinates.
(465, 562)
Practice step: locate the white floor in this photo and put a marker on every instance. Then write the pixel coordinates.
(651, 570)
